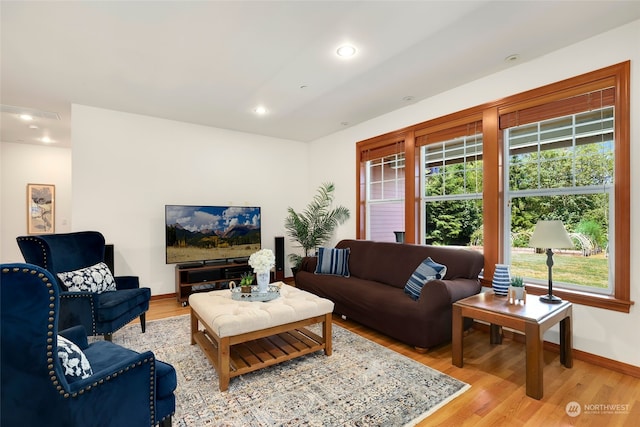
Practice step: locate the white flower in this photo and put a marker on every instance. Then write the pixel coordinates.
(262, 261)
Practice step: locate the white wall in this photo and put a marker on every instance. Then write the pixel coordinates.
(602, 332)
(23, 164)
(126, 167)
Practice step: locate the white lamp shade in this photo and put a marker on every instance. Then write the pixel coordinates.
(550, 234)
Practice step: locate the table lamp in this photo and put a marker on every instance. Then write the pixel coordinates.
(550, 234)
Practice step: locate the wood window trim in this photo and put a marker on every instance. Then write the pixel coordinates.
(617, 75)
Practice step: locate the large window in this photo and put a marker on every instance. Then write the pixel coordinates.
(484, 176)
(563, 168)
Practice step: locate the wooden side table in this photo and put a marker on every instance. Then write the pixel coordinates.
(532, 318)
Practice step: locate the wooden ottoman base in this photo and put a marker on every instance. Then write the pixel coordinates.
(236, 355)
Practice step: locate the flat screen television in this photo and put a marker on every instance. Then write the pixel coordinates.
(201, 234)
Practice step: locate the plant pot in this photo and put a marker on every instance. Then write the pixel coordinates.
(517, 291)
(245, 289)
(517, 294)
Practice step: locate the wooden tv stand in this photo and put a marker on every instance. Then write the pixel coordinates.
(207, 277)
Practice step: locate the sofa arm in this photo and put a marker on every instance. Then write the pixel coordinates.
(434, 295)
(462, 288)
(443, 293)
(127, 282)
(309, 264)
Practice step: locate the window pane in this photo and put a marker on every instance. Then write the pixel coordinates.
(586, 219)
(453, 167)
(453, 222)
(375, 170)
(385, 219)
(559, 153)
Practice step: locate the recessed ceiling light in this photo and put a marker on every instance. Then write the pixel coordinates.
(409, 98)
(26, 117)
(33, 127)
(346, 51)
(46, 140)
(260, 110)
(512, 58)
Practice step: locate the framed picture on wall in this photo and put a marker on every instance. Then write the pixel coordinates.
(41, 210)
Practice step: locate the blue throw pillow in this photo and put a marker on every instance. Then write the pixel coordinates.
(333, 261)
(427, 270)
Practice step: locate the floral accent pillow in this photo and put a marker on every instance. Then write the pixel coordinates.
(74, 362)
(96, 278)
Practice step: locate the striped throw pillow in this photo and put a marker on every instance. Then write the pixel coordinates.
(427, 270)
(333, 261)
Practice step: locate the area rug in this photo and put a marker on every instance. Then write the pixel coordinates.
(361, 384)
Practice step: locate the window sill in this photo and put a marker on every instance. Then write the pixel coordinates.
(584, 298)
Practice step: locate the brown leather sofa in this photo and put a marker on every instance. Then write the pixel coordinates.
(374, 294)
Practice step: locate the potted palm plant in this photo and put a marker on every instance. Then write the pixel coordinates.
(315, 225)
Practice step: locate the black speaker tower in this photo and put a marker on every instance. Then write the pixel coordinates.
(279, 258)
(109, 257)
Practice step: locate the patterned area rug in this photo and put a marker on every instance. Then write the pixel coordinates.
(361, 384)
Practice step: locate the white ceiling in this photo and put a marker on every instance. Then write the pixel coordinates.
(211, 63)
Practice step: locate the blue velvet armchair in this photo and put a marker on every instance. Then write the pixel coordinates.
(100, 313)
(42, 387)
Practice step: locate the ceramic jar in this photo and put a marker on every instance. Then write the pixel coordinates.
(501, 280)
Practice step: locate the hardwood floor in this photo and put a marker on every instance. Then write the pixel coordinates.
(496, 374)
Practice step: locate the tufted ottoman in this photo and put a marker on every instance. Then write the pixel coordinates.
(243, 336)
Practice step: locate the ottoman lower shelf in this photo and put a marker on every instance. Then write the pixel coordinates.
(240, 354)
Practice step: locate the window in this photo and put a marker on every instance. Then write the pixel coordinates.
(381, 193)
(485, 175)
(451, 186)
(385, 198)
(563, 168)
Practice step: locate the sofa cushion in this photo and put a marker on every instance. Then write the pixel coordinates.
(427, 270)
(97, 278)
(333, 261)
(74, 362)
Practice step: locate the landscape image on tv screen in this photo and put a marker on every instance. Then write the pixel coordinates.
(206, 233)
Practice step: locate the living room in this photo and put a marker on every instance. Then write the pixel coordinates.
(124, 168)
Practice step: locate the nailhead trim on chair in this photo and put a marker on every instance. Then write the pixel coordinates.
(44, 253)
(50, 360)
(93, 319)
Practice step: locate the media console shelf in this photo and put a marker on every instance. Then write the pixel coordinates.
(208, 277)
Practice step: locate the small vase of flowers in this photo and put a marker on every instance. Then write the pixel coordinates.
(262, 262)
